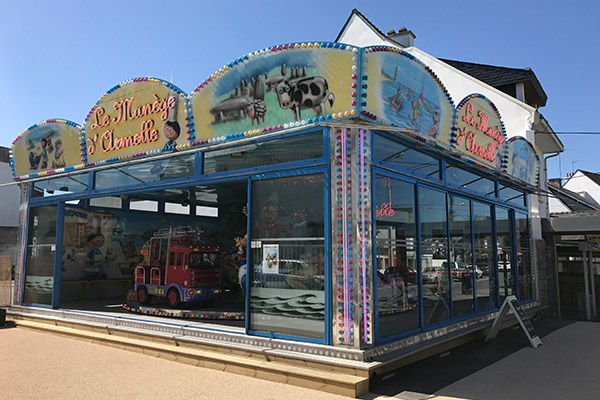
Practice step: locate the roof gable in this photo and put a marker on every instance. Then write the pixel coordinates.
(503, 78)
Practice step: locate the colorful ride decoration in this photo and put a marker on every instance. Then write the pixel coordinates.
(277, 88)
(51, 146)
(400, 91)
(479, 132)
(522, 161)
(142, 116)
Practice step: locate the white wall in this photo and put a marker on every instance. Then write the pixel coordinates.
(584, 186)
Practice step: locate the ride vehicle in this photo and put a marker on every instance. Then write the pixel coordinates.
(178, 265)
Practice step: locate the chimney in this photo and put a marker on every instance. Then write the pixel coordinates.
(403, 37)
(556, 182)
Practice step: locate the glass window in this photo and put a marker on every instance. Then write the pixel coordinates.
(461, 255)
(150, 171)
(435, 272)
(397, 289)
(484, 255)
(523, 257)
(41, 247)
(287, 293)
(110, 252)
(504, 237)
(295, 148)
(508, 194)
(67, 184)
(406, 158)
(465, 179)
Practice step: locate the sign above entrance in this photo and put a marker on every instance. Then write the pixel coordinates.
(50, 146)
(522, 161)
(276, 88)
(479, 132)
(137, 117)
(401, 91)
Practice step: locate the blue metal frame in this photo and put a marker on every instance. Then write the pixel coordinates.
(514, 266)
(319, 165)
(60, 215)
(327, 334)
(496, 272)
(473, 258)
(56, 256)
(383, 170)
(248, 235)
(375, 171)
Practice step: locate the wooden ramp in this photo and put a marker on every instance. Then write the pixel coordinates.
(351, 380)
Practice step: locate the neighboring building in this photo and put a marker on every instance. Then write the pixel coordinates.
(585, 184)
(10, 198)
(575, 223)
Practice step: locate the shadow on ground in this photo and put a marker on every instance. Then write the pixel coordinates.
(436, 372)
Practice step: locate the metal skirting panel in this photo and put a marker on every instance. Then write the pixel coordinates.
(370, 359)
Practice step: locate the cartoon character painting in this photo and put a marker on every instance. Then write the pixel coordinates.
(434, 129)
(396, 100)
(171, 128)
(58, 160)
(299, 92)
(247, 100)
(95, 267)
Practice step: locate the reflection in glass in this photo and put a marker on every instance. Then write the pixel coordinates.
(405, 157)
(287, 289)
(435, 272)
(508, 194)
(109, 249)
(77, 183)
(146, 172)
(468, 180)
(41, 246)
(461, 255)
(523, 257)
(397, 289)
(504, 236)
(295, 148)
(484, 255)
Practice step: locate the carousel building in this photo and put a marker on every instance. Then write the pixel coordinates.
(346, 202)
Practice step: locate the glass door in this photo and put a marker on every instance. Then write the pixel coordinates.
(41, 249)
(288, 257)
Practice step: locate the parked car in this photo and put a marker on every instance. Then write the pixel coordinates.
(433, 274)
(457, 269)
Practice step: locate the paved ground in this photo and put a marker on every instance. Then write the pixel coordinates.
(42, 366)
(564, 367)
(37, 365)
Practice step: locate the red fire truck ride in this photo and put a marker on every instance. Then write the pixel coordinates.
(178, 265)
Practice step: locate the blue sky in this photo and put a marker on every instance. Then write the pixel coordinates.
(57, 58)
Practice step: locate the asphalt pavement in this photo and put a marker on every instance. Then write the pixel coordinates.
(563, 367)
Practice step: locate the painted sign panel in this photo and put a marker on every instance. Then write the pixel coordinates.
(522, 162)
(52, 145)
(479, 131)
(144, 115)
(277, 88)
(401, 91)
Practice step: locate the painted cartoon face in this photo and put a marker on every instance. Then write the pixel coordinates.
(169, 132)
(96, 242)
(250, 111)
(269, 212)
